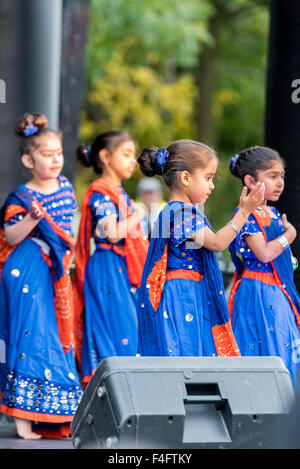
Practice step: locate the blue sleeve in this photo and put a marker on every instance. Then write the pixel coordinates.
(66, 184)
(101, 207)
(251, 227)
(186, 223)
(74, 202)
(14, 219)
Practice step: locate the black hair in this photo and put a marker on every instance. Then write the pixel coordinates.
(252, 160)
(184, 155)
(29, 142)
(89, 155)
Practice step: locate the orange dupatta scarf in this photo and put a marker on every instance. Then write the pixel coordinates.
(135, 249)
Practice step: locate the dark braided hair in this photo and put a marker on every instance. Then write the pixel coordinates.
(184, 155)
(89, 155)
(252, 160)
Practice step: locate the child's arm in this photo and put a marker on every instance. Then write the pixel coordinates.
(220, 240)
(115, 231)
(14, 234)
(266, 252)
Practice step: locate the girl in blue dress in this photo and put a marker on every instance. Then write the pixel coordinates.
(106, 282)
(182, 310)
(38, 376)
(264, 303)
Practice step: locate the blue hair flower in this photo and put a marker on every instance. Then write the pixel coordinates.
(30, 129)
(89, 148)
(234, 160)
(162, 157)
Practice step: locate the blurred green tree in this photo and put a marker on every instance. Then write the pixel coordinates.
(166, 70)
(236, 108)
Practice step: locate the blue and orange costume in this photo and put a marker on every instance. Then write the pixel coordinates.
(182, 310)
(106, 283)
(38, 375)
(264, 303)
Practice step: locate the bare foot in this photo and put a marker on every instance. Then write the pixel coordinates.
(24, 429)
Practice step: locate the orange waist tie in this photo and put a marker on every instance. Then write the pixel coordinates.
(265, 277)
(182, 273)
(117, 249)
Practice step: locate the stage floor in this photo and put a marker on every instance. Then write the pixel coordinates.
(9, 440)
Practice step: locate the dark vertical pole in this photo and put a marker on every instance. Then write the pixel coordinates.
(74, 38)
(282, 130)
(43, 23)
(30, 58)
(11, 72)
(41, 70)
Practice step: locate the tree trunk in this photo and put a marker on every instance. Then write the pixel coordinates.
(206, 82)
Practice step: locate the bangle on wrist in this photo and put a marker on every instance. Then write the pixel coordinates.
(284, 242)
(234, 227)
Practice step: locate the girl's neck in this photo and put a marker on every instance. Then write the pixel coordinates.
(111, 177)
(264, 204)
(179, 196)
(44, 186)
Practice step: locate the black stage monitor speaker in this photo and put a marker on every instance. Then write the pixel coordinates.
(183, 402)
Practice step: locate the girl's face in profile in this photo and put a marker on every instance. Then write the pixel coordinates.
(46, 161)
(122, 161)
(273, 178)
(202, 182)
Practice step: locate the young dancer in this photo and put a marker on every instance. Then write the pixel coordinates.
(182, 310)
(105, 284)
(38, 377)
(269, 323)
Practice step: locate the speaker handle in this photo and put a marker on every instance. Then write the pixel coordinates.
(203, 393)
(212, 399)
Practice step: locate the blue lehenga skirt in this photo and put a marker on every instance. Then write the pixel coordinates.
(183, 322)
(38, 380)
(264, 324)
(110, 320)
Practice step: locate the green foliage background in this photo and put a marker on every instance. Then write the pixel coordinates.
(142, 63)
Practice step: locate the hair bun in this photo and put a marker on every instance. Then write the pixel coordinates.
(31, 119)
(233, 165)
(148, 162)
(83, 153)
